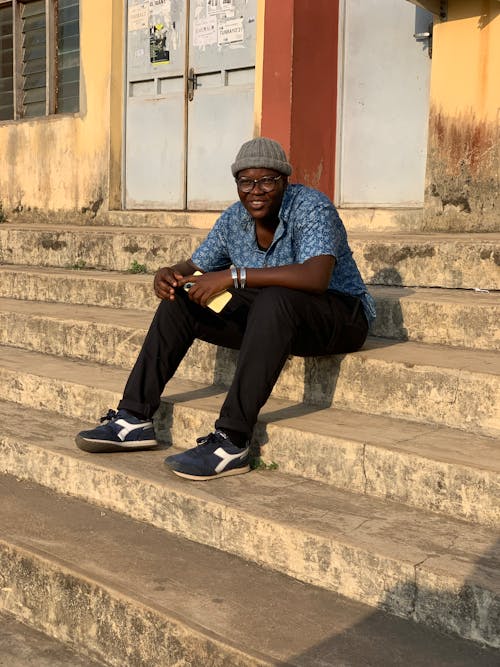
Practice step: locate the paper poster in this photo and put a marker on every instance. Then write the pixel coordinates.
(138, 16)
(220, 7)
(212, 7)
(159, 23)
(205, 32)
(158, 50)
(230, 31)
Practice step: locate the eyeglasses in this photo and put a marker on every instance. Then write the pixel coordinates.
(266, 183)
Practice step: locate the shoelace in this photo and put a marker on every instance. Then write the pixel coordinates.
(109, 416)
(204, 440)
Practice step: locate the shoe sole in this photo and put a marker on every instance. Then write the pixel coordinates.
(205, 478)
(105, 446)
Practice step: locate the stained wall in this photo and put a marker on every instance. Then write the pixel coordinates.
(62, 162)
(462, 188)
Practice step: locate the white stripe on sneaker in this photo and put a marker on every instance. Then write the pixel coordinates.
(128, 428)
(227, 458)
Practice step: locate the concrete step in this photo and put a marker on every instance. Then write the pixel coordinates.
(95, 247)
(147, 218)
(464, 261)
(355, 219)
(110, 289)
(437, 469)
(424, 383)
(185, 603)
(160, 219)
(415, 564)
(363, 219)
(458, 318)
(22, 646)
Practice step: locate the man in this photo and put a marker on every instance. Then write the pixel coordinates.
(282, 253)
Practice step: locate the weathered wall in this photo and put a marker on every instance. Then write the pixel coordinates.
(462, 190)
(62, 162)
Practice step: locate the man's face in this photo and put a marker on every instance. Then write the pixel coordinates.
(262, 205)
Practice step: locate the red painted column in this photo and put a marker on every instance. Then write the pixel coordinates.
(299, 96)
(277, 72)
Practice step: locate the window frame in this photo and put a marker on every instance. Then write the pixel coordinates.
(51, 59)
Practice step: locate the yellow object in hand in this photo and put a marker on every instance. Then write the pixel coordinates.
(217, 302)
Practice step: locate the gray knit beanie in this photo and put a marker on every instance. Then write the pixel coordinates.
(262, 153)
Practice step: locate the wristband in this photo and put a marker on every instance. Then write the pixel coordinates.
(243, 277)
(234, 276)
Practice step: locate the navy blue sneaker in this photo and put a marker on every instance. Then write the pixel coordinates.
(214, 456)
(122, 432)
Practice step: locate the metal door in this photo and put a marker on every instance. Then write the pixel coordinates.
(220, 114)
(190, 91)
(384, 103)
(155, 125)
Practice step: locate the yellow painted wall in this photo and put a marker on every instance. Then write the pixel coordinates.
(466, 59)
(463, 167)
(63, 162)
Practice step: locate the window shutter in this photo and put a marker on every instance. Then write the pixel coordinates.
(68, 56)
(6, 63)
(34, 60)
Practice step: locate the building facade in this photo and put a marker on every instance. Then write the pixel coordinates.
(383, 104)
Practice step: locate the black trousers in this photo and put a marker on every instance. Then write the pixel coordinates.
(266, 325)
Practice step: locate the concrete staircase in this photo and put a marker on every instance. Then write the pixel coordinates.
(379, 481)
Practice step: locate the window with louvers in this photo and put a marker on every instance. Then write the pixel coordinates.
(39, 58)
(6, 63)
(68, 56)
(34, 59)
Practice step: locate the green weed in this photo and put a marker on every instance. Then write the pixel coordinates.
(78, 265)
(258, 464)
(135, 267)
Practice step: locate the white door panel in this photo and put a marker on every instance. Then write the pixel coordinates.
(181, 138)
(384, 108)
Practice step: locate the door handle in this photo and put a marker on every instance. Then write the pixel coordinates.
(192, 84)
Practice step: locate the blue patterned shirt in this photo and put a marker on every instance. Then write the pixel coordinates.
(309, 225)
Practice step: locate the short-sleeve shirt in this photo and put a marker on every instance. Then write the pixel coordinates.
(309, 225)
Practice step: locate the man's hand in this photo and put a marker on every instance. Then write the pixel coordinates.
(168, 278)
(207, 285)
(165, 282)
